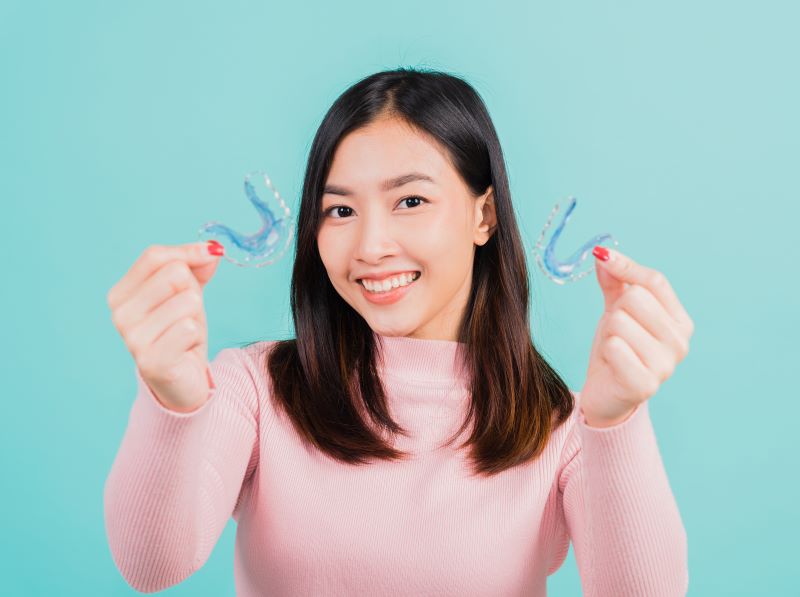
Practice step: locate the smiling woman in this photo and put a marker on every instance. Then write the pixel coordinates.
(334, 451)
(406, 229)
(376, 227)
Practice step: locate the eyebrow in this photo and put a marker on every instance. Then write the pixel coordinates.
(387, 185)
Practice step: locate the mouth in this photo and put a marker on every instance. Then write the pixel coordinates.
(389, 285)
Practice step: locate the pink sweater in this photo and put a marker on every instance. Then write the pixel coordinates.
(308, 525)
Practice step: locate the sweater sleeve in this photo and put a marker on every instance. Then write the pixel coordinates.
(620, 512)
(177, 477)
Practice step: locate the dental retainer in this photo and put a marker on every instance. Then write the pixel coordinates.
(565, 271)
(267, 244)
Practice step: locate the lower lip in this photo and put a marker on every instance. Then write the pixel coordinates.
(386, 298)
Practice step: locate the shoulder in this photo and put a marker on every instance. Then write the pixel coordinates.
(247, 364)
(258, 350)
(255, 356)
(565, 437)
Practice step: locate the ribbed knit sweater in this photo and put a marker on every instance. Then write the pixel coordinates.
(309, 525)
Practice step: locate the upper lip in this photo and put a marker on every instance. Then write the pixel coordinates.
(382, 275)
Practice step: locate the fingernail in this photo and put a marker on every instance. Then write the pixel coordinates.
(600, 253)
(215, 248)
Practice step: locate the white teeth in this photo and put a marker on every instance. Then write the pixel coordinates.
(389, 283)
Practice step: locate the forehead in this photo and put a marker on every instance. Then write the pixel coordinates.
(385, 148)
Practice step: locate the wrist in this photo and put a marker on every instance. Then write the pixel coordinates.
(600, 422)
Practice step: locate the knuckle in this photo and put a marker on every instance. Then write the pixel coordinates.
(151, 253)
(610, 346)
(132, 340)
(177, 272)
(656, 279)
(176, 269)
(189, 325)
(636, 292)
(194, 298)
(616, 320)
(188, 301)
(115, 319)
(684, 348)
(629, 298)
(669, 369)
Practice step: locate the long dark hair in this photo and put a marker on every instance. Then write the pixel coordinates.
(326, 377)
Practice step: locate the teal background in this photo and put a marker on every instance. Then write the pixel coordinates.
(129, 124)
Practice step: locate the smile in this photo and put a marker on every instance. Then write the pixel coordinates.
(390, 290)
(388, 284)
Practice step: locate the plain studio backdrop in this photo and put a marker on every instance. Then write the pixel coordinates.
(675, 124)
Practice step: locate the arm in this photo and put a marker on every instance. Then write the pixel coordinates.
(177, 477)
(622, 517)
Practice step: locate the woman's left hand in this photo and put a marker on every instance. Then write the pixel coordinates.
(642, 335)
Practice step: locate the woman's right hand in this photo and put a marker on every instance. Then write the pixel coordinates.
(157, 307)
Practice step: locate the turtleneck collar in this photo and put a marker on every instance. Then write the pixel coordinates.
(421, 359)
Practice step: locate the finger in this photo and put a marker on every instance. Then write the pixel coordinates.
(656, 357)
(204, 273)
(627, 270)
(650, 313)
(627, 369)
(611, 287)
(195, 255)
(185, 304)
(181, 337)
(172, 279)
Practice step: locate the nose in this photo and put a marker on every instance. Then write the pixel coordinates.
(375, 239)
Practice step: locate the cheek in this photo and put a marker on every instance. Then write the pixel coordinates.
(335, 254)
(330, 254)
(446, 252)
(446, 241)
(328, 247)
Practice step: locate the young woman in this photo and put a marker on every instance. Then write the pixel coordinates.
(410, 440)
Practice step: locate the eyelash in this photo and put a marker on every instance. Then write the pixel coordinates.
(327, 212)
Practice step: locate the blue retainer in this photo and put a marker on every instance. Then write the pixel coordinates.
(268, 243)
(563, 271)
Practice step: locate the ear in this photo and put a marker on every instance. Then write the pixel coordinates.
(485, 216)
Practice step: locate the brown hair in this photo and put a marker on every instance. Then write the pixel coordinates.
(326, 377)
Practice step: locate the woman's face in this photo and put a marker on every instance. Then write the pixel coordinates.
(418, 229)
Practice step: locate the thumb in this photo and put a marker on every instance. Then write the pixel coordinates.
(611, 287)
(205, 268)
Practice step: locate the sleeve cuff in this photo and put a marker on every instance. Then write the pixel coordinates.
(149, 396)
(631, 434)
(584, 423)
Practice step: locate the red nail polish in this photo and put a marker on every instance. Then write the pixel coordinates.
(215, 248)
(600, 253)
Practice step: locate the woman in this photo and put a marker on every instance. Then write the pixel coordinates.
(336, 452)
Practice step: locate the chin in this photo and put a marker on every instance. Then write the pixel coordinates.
(392, 330)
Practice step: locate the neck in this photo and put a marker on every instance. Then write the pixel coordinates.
(422, 359)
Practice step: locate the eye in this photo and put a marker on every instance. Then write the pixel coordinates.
(327, 212)
(412, 198)
(335, 208)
